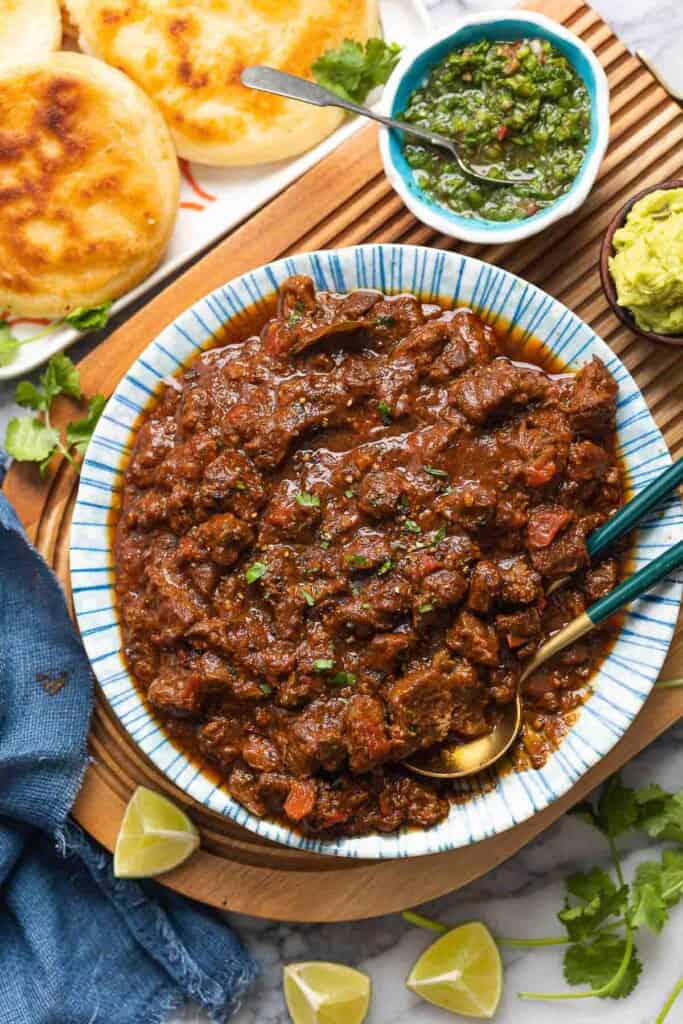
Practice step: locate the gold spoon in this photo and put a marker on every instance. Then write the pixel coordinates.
(453, 761)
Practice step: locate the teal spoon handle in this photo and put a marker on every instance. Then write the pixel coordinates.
(637, 584)
(627, 517)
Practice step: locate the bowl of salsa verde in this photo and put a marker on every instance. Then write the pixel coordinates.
(523, 98)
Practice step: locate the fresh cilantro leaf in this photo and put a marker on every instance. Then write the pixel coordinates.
(596, 963)
(435, 472)
(255, 571)
(323, 664)
(307, 500)
(672, 876)
(296, 314)
(308, 597)
(89, 319)
(384, 411)
(79, 432)
(647, 907)
(343, 679)
(662, 818)
(352, 70)
(61, 378)
(598, 899)
(617, 808)
(385, 567)
(411, 526)
(9, 345)
(31, 397)
(584, 811)
(30, 440)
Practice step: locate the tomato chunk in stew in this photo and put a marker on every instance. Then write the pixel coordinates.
(339, 542)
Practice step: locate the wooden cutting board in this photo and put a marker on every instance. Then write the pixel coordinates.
(343, 201)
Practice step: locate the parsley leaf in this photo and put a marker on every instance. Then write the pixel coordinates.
(596, 964)
(79, 432)
(255, 571)
(307, 500)
(30, 440)
(89, 319)
(353, 70)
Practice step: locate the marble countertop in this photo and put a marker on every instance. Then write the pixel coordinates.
(522, 896)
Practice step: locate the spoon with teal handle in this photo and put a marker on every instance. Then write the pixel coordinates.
(266, 79)
(453, 761)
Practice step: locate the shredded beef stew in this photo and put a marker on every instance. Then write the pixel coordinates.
(336, 548)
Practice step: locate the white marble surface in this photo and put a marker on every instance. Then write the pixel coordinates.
(521, 897)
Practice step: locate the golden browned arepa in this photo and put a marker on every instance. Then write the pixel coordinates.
(88, 185)
(189, 56)
(29, 29)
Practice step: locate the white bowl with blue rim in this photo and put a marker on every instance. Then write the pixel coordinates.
(621, 685)
(410, 74)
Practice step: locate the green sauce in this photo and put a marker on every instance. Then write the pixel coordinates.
(512, 107)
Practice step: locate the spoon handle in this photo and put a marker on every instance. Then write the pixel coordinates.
(613, 602)
(281, 83)
(627, 517)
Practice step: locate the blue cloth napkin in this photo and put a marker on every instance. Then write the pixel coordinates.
(78, 946)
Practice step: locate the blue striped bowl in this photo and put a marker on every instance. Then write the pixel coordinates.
(620, 687)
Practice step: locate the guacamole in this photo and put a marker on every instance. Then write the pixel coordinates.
(647, 267)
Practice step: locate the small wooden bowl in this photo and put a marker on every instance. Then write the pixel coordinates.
(607, 250)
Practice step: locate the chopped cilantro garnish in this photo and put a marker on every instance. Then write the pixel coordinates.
(308, 597)
(358, 560)
(343, 679)
(433, 471)
(424, 608)
(349, 492)
(255, 571)
(323, 664)
(307, 500)
(384, 411)
(265, 688)
(411, 526)
(386, 565)
(296, 314)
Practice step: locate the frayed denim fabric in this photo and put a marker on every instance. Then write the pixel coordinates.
(78, 946)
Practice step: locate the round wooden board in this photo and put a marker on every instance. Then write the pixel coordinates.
(344, 200)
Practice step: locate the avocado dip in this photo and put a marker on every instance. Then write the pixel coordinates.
(647, 267)
(512, 107)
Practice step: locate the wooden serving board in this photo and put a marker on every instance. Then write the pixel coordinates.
(346, 200)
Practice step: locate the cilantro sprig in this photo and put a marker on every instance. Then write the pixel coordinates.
(82, 318)
(602, 912)
(354, 70)
(35, 438)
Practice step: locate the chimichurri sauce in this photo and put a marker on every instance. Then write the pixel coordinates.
(513, 107)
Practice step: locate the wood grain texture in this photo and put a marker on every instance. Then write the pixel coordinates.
(342, 201)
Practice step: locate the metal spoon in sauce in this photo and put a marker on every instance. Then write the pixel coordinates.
(294, 88)
(452, 761)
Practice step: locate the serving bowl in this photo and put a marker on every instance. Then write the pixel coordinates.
(411, 72)
(627, 674)
(607, 250)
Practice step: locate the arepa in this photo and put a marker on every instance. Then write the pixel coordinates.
(88, 185)
(188, 58)
(29, 29)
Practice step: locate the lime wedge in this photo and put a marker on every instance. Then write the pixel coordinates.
(155, 836)
(324, 993)
(460, 972)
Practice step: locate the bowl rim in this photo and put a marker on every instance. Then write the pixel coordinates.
(394, 268)
(607, 250)
(496, 233)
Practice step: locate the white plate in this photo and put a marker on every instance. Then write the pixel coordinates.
(215, 199)
(620, 686)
